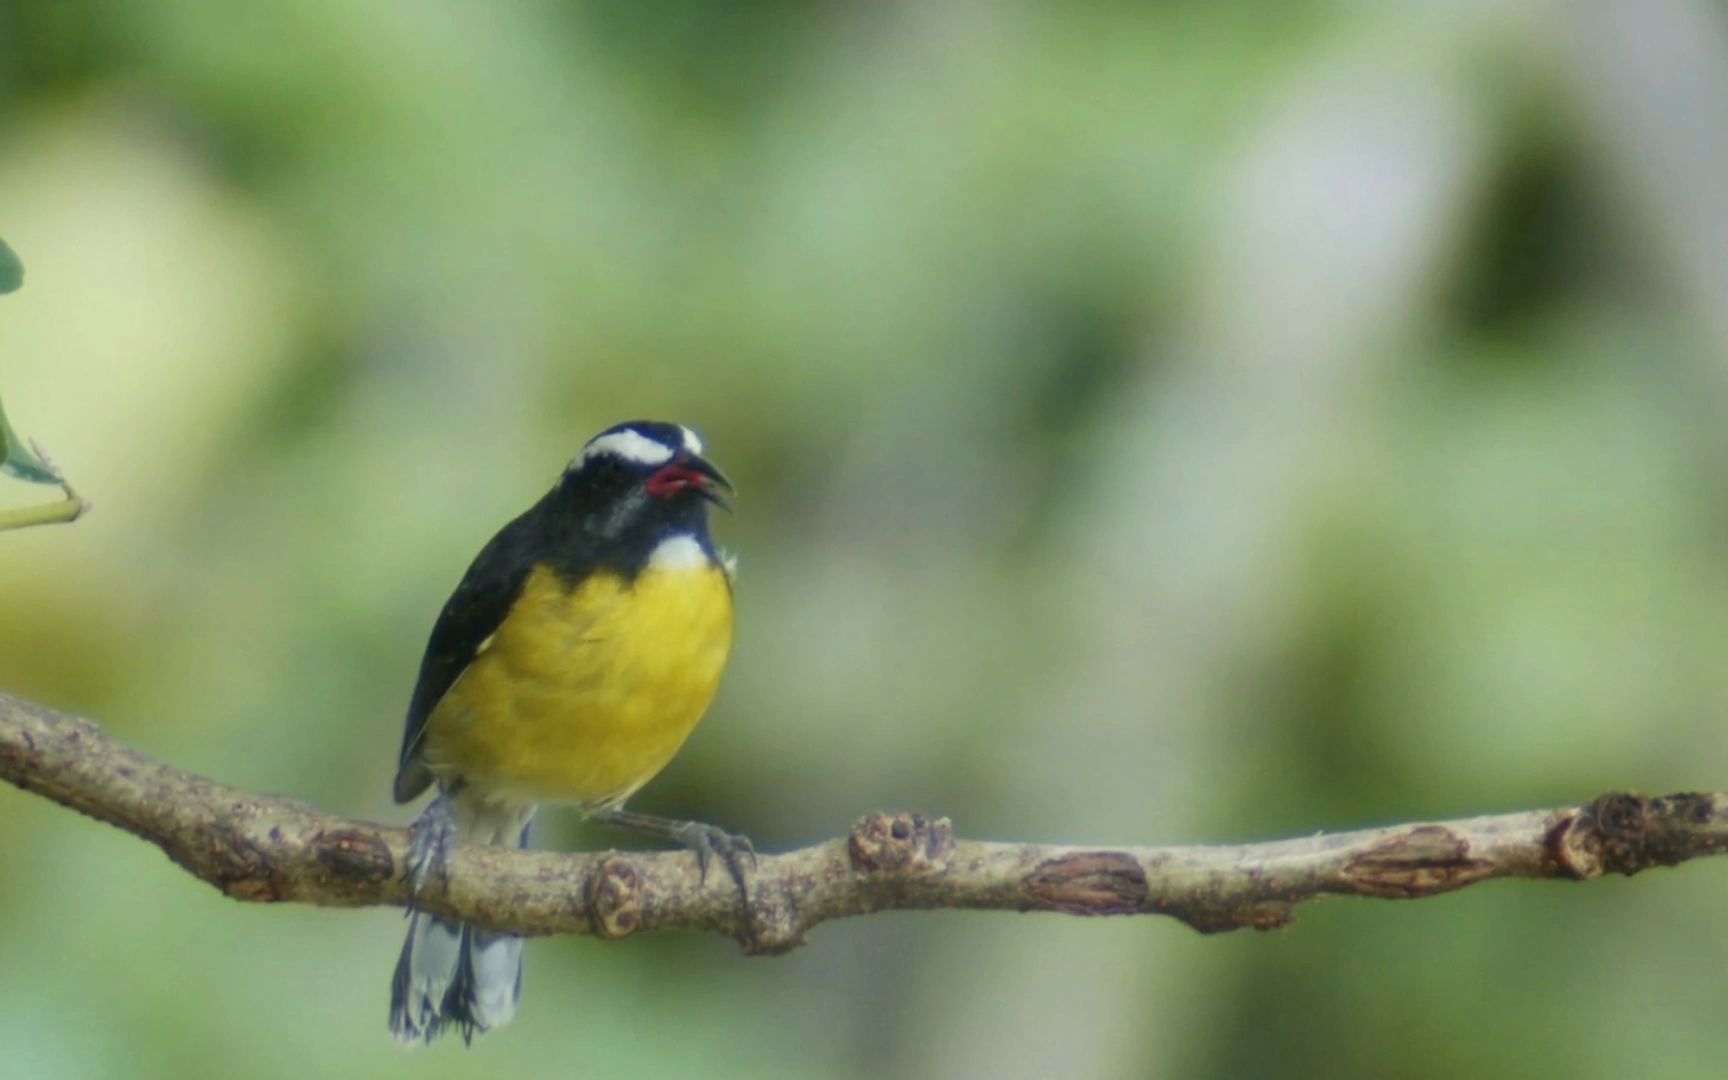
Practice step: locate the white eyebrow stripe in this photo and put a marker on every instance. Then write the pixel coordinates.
(691, 442)
(629, 445)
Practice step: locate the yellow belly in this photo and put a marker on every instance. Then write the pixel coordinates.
(584, 695)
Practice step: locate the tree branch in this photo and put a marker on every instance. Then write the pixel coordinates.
(267, 848)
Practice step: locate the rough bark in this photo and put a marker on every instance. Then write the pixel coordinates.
(268, 848)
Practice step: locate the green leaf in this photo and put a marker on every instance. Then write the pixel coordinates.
(11, 269)
(16, 458)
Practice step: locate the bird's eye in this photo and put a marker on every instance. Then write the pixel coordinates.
(607, 463)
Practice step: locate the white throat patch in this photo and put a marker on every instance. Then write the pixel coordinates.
(631, 446)
(678, 553)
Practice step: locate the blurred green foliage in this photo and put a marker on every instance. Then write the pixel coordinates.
(11, 269)
(16, 457)
(1153, 423)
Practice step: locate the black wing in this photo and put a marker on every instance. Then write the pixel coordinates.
(471, 615)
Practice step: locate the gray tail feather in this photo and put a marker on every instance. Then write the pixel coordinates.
(453, 975)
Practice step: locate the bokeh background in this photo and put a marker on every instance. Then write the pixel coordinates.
(1153, 423)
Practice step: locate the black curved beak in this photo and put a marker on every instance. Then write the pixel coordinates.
(712, 482)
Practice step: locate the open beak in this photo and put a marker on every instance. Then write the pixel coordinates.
(711, 481)
(691, 471)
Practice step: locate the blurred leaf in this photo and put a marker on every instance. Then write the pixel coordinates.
(16, 458)
(11, 269)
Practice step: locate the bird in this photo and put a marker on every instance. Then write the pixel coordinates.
(578, 652)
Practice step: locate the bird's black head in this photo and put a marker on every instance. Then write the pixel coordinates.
(640, 480)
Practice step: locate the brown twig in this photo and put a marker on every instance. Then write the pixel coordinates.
(267, 848)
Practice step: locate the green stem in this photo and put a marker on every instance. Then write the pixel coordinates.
(71, 508)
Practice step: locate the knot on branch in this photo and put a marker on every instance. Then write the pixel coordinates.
(352, 856)
(614, 899)
(1624, 833)
(1257, 915)
(1089, 883)
(898, 843)
(231, 862)
(1422, 861)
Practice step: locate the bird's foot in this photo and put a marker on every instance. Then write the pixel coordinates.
(432, 838)
(705, 841)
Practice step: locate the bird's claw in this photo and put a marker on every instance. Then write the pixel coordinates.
(707, 841)
(431, 838)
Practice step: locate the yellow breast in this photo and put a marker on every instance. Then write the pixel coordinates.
(584, 694)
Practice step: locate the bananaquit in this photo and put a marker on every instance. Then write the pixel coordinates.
(572, 661)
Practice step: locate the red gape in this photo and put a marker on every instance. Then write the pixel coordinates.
(672, 479)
